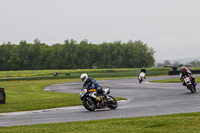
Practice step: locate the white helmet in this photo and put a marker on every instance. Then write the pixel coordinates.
(84, 77)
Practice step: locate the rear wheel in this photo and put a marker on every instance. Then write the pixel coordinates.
(89, 104)
(111, 103)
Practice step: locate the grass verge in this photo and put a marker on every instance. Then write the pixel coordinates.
(176, 123)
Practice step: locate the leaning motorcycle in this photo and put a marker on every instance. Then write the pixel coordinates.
(190, 83)
(141, 77)
(88, 98)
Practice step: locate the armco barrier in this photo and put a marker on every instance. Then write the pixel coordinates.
(178, 72)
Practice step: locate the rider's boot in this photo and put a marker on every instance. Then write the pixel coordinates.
(194, 81)
(99, 101)
(99, 98)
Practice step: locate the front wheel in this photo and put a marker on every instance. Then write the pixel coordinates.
(194, 88)
(111, 102)
(191, 88)
(89, 104)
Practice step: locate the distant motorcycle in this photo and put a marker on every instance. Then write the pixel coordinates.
(190, 83)
(88, 99)
(141, 77)
(56, 74)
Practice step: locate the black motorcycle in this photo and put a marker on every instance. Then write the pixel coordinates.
(88, 98)
(189, 83)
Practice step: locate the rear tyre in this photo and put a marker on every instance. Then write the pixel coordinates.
(111, 103)
(89, 104)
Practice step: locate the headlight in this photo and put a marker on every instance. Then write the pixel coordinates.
(82, 93)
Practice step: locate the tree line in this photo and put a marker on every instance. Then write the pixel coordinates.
(73, 55)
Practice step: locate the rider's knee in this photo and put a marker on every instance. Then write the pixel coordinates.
(100, 90)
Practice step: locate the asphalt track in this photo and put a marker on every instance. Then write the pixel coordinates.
(145, 99)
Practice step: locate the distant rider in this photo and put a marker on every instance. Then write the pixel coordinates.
(92, 85)
(142, 70)
(186, 72)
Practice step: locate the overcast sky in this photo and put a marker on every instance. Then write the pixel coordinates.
(171, 27)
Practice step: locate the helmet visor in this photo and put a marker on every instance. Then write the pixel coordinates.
(83, 79)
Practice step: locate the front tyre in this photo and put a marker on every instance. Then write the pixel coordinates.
(191, 88)
(194, 89)
(111, 103)
(89, 104)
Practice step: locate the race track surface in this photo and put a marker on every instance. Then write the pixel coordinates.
(145, 99)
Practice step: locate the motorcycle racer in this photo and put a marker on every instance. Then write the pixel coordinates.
(187, 72)
(142, 70)
(92, 85)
